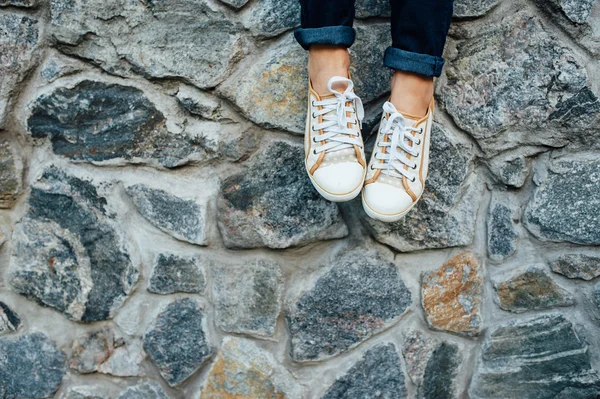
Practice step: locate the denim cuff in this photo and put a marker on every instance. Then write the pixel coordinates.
(423, 64)
(342, 35)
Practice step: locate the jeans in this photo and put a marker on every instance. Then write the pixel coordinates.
(419, 29)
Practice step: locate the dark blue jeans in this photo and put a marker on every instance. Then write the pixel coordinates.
(419, 29)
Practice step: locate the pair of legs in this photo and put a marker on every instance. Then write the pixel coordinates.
(418, 30)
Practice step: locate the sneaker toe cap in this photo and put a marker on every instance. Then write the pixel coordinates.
(386, 199)
(340, 178)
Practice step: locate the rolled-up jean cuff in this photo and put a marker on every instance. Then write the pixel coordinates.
(423, 64)
(341, 35)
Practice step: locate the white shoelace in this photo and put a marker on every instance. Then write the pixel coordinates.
(402, 143)
(336, 133)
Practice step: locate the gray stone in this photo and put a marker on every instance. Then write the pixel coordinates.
(9, 320)
(558, 211)
(112, 124)
(577, 266)
(372, 8)
(19, 39)
(126, 359)
(176, 39)
(270, 18)
(57, 67)
(202, 104)
(19, 3)
(432, 365)
(535, 358)
(30, 367)
(11, 175)
(513, 168)
(377, 375)
(82, 393)
(146, 390)
(68, 252)
(579, 393)
(531, 289)
(445, 215)
(243, 370)
(173, 273)
(235, 3)
(579, 18)
(177, 342)
(510, 83)
(184, 219)
(501, 234)
(273, 204)
(279, 102)
(247, 298)
(473, 8)
(360, 295)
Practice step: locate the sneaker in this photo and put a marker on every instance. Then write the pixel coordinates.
(398, 168)
(333, 145)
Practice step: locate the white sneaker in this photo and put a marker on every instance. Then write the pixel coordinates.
(333, 145)
(398, 168)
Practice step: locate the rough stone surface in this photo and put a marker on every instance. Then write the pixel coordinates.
(279, 102)
(579, 18)
(360, 295)
(68, 251)
(11, 175)
(202, 104)
(235, 3)
(272, 203)
(473, 8)
(178, 39)
(273, 17)
(19, 39)
(557, 212)
(445, 215)
(372, 8)
(432, 365)
(577, 266)
(501, 234)
(511, 169)
(146, 390)
(30, 367)
(511, 83)
(177, 342)
(531, 289)
(184, 219)
(248, 297)
(244, 371)
(81, 393)
(451, 296)
(107, 123)
(377, 374)
(173, 273)
(535, 358)
(19, 3)
(9, 320)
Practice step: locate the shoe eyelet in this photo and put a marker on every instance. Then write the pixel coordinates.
(413, 180)
(315, 152)
(421, 130)
(414, 167)
(418, 142)
(313, 115)
(312, 103)
(371, 167)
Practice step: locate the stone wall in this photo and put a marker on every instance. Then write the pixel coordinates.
(160, 238)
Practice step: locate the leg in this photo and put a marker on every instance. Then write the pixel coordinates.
(419, 29)
(327, 33)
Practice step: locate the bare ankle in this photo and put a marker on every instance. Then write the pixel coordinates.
(411, 92)
(325, 61)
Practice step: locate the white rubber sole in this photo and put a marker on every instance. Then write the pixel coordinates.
(387, 218)
(333, 197)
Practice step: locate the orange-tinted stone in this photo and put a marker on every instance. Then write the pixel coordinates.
(451, 295)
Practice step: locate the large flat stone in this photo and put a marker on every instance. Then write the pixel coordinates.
(557, 212)
(184, 219)
(501, 232)
(359, 295)
(177, 342)
(445, 215)
(531, 289)
(535, 358)
(451, 296)
(11, 175)
(511, 83)
(31, 367)
(145, 390)
(580, 266)
(106, 123)
(190, 40)
(19, 40)
(272, 203)
(279, 102)
(272, 17)
(247, 298)
(69, 253)
(173, 273)
(244, 371)
(377, 375)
